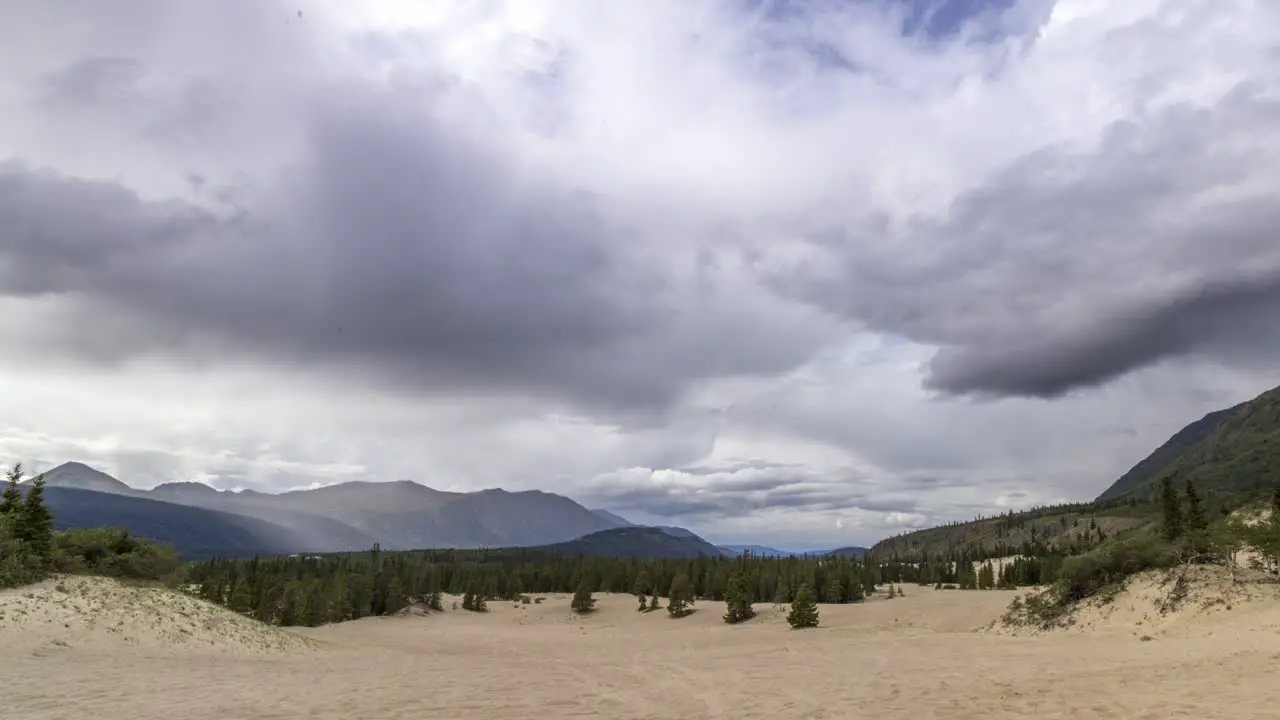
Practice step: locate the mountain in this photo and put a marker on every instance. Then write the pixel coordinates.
(618, 520)
(193, 532)
(355, 515)
(1236, 450)
(674, 531)
(642, 543)
(82, 477)
(759, 550)
(852, 551)
(1151, 465)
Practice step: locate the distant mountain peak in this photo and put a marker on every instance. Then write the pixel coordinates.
(184, 487)
(78, 475)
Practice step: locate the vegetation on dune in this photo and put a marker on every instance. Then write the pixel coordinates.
(804, 609)
(583, 602)
(31, 550)
(1183, 537)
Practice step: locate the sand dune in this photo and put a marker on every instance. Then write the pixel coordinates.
(920, 656)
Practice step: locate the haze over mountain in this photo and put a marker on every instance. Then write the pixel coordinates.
(347, 516)
(794, 273)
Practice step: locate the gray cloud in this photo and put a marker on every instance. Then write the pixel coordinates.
(401, 248)
(1068, 270)
(740, 489)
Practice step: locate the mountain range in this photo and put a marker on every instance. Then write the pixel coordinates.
(200, 521)
(347, 516)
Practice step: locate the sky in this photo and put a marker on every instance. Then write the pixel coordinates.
(803, 273)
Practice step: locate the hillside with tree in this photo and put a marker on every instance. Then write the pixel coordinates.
(1231, 457)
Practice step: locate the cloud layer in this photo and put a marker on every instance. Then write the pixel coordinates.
(740, 267)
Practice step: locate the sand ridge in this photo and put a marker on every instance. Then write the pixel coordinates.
(93, 614)
(919, 656)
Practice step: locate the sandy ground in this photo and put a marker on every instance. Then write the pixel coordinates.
(93, 649)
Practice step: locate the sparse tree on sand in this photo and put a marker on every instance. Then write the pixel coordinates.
(582, 602)
(804, 610)
(737, 598)
(678, 597)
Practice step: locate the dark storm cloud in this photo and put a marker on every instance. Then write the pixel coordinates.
(397, 247)
(1071, 269)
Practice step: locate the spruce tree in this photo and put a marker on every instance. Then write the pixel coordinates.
(11, 500)
(1196, 519)
(35, 524)
(804, 610)
(678, 596)
(644, 602)
(1171, 516)
(780, 593)
(582, 602)
(653, 603)
(737, 598)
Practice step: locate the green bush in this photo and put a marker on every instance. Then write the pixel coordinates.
(1084, 575)
(113, 552)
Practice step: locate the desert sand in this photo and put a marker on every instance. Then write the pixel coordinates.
(88, 648)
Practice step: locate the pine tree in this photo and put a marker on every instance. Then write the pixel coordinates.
(468, 601)
(35, 524)
(582, 602)
(1171, 526)
(678, 596)
(11, 500)
(737, 598)
(653, 603)
(644, 602)
(804, 611)
(780, 593)
(1196, 520)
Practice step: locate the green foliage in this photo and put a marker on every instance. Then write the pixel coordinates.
(34, 524)
(738, 598)
(113, 552)
(26, 532)
(1097, 572)
(11, 499)
(653, 603)
(1196, 522)
(1170, 511)
(678, 599)
(582, 602)
(804, 609)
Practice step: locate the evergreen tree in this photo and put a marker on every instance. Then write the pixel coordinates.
(582, 602)
(35, 524)
(780, 595)
(11, 500)
(804, 610)
(986, 577)
(1171, 526)
(737, 598)
(653, 603)
(644, 602)
(678, 597)
(1196, 520)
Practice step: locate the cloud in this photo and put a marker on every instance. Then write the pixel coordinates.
(755, 267)
(1070, 269)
